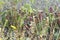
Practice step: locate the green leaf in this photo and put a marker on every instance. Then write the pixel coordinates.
(32, 1)
(2, 2)
(6, 21)
(20, 0)
(27, 5)
(30, 10)
(23, 9)
(21, 23)
(46, 10)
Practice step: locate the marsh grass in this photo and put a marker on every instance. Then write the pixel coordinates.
(29, 24)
